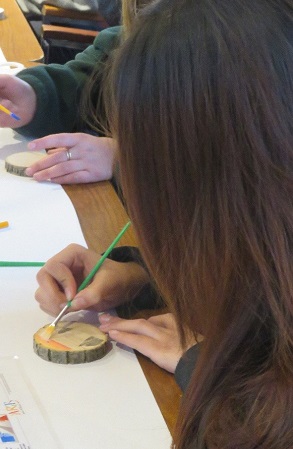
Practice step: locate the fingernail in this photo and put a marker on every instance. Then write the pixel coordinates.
(28, 172)
(31, 146)
(79, 303)
(105, 317)
(113, 333)
(68, 294)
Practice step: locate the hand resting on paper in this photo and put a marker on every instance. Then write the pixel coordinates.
(59, 278)
(73, 158)
(157, 337)
(20, 98)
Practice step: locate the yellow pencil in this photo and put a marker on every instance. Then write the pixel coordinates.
(2, 108)
(4, 224)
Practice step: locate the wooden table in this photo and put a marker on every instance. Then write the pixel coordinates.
(102, 216)
(17, 39)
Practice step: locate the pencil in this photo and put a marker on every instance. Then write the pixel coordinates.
(51, 327)
(4, 224)
(2, 108)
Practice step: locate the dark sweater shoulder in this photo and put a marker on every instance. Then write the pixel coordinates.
(58, 87)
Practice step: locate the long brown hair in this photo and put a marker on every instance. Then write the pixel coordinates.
(201, 106)
(92, 110)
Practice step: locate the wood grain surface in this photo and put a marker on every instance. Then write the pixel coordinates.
(17, 39)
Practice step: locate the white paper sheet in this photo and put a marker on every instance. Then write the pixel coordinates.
(2, 57)
(19, 411)
(105, 404)
(42, 219)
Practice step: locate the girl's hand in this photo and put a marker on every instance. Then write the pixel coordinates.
(114, 283)
(20, 98)
(91, 158)
(156, 338)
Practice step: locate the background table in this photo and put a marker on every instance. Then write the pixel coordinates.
(17, 39)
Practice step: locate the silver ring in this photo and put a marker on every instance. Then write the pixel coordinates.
(69, 155)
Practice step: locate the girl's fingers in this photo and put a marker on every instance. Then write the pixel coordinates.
(50, 297)
(140, 327)
(105, 318)
(76, 177)
(59, 278)
(72, 169)
(165, 320)
(142, 343)
(54, 141)
(163, 349)
(52, 160)
(56, 150)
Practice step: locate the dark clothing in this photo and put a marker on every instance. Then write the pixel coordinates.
(186, 366)
(59, 87)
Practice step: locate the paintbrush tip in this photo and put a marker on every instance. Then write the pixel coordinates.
(48, 331)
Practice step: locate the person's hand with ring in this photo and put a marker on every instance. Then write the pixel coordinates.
(73, 158)
(68, 154)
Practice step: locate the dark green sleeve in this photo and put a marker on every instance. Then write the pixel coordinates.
(186, 366)
(58, 87)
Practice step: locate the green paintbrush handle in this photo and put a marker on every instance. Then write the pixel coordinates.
(104, 256)
(6, 263)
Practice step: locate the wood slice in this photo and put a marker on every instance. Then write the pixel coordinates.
(17, 163)
(71, 342)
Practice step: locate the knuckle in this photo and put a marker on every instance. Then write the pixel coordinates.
(38, 295)
(141, 321)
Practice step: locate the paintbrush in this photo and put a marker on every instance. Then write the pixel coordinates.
(8, 263)
(51, 327)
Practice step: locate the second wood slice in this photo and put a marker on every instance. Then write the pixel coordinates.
(17, 163)
(71, 342)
